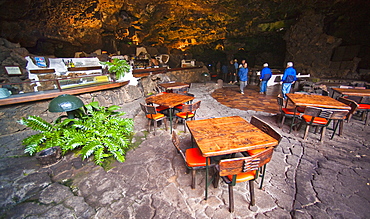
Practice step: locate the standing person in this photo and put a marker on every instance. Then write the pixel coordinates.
(236, 66)
(231, 69)
(243, 77)
(225, 71)
(265, 77)
(289, 77)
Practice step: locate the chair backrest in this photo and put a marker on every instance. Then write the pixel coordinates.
(190, 107)
(151, 109)
(357, 99)
(235, 166)
(338, 114)
(351, 104)
(266, 128)
(176, 143)
(143, 108)
(317, 112)
(324, 93)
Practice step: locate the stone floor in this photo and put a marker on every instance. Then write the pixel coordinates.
(305, 178)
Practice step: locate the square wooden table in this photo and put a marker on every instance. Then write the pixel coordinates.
(169, 100)
(315, 101)
(351, 92)
(174, 86)
(227, 135)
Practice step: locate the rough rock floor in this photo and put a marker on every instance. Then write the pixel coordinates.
(305, 179)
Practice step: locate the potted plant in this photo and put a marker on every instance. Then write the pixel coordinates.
(117, 67)
(96, 131)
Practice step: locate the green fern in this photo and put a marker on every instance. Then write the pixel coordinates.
(97, 131)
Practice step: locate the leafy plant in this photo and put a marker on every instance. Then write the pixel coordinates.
(97, 131)
(118, 66)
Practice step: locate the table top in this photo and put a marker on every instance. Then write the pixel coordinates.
(227, 135)
(352, 92)
(316, 101)
(175, 85)
(169, 99)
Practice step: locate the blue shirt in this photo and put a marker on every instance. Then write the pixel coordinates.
(289, 75)
(266, 74)
(243, 74)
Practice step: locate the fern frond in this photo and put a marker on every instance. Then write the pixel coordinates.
(36, 123)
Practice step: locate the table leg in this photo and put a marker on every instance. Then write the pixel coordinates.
(207, 174)
(170, 109)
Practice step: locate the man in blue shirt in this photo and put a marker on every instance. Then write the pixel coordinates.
(289, 77)
(243, 77)
(265, 77)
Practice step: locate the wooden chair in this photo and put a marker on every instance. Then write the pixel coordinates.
(236, 170)
(318, 117)
(192, 157)
(285, 112)
(188, 111)
(337, 117)
(152, 114)
(363, 108)
(266, 128)
(179, 107)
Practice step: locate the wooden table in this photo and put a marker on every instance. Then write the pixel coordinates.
(173, 86)
(227, 135)
(315, 101)
(169, 100)
(351, 92)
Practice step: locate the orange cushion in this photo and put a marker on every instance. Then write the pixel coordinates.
(155, 116)
(194, 158)
(289, 111)
(183, 115)
(242, 177)
(255, 151)
(363, 106)
(317, 120)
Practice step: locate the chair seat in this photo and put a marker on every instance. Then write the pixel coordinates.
(194, 157)
(290, 111)
(363, 106)
(183, 115)
(317, 120)
(155, 116)
(242, 177)
(161, 108)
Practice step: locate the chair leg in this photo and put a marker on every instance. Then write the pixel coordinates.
(193, 178)
(165, 123)
(251, 192)
(306, 132)
(216, 180)
(282, 122)
(149, 123)
(263, 170)
(176, 121)
(155, 126)
(322, 134)
(231, 198)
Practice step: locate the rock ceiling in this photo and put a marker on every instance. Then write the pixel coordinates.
(57, 26)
